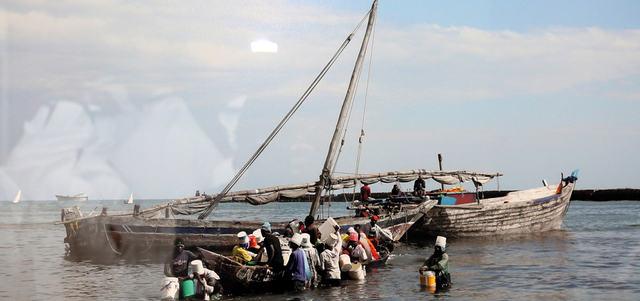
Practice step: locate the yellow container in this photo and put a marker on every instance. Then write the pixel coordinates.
(428, 279)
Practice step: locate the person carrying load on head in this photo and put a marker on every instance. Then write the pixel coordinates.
(330, 259)
(439, 264)
(297, 264)
(207, 282)
(313, 260)
(356, 250)
(240, 253)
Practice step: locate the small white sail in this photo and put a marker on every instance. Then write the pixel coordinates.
(130, 201)
(17, 198)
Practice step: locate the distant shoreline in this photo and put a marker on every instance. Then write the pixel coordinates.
(597, 195)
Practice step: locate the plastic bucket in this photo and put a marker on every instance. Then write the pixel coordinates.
(428, 278)
(170, 288)
(187, 288)
(345, 263)
(356, 271)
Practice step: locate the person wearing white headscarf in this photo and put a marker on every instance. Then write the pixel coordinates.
(439, 264)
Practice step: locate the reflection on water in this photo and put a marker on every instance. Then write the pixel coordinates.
(595, 256)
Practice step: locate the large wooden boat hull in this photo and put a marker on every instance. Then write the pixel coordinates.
(527, 211)
(112, 238)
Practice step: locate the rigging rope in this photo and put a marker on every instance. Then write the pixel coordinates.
(364, 110)
(235, 179)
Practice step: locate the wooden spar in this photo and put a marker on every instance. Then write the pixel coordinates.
(440, 162)
(326, 170)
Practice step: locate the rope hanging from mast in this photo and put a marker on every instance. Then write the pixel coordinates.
(326, 170)
(304, 96)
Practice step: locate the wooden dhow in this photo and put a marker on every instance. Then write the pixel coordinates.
(524, 211)
(149, 233)
(145, 233)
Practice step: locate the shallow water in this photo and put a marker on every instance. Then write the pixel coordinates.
(595, 256)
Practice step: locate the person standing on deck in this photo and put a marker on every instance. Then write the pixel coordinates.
(272, 246)
(439, 264)
(296, 264)
(365, 192)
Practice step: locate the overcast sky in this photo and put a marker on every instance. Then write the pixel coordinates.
(165, 97)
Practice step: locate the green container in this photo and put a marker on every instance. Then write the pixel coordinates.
(187, 288)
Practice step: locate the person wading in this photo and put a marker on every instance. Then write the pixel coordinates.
(439, 264)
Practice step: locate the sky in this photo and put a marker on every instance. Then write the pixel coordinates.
(163, 98)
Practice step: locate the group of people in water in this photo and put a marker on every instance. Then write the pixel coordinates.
(301, 256)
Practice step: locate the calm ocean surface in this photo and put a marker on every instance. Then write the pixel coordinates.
(596, 256)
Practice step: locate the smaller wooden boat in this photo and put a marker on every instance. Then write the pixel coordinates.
(78, 197)
(237, 278)
(378, 263)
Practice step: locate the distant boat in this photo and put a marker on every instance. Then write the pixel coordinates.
(130, 200)
(17, 198)
(78, 197)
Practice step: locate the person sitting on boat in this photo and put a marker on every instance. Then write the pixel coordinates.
(356, 250)
(419, 187)
(240, 253)
(379, 237)
(177, 262)
(313, 260)
(207, 282)
(372, 254)
(396, 192)
(330, 259)
(365, 192)
(253, 244)
(273, 249)
(439, 264)
(296, 264)
(311, 229)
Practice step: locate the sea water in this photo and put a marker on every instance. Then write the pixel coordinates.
(595, 256)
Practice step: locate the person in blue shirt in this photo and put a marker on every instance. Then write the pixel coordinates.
(296, 264)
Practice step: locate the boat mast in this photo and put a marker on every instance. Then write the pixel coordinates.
(326, 170)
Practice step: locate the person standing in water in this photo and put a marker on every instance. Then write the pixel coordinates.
(177, 263)
(272, 247)
(439, 264)
(296, 264)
